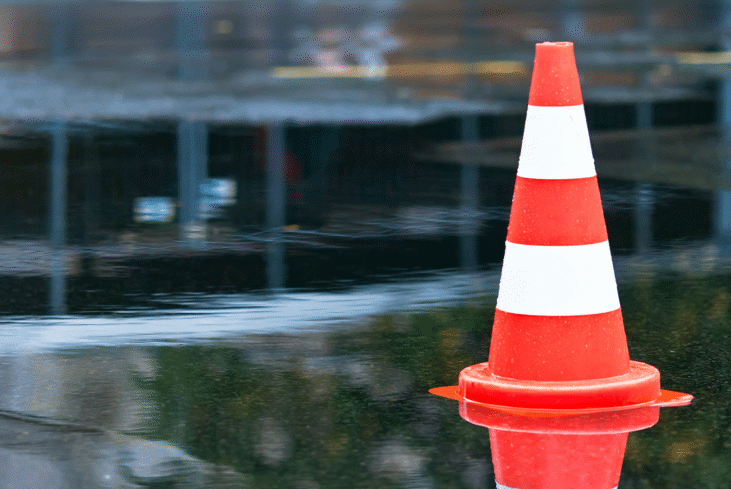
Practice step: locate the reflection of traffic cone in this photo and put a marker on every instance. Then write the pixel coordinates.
(561, 452)
(558, 337)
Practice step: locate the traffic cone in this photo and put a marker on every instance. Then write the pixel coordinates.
(558, 340)
(562, 452)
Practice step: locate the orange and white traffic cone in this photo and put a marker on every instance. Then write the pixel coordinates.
(558, 340)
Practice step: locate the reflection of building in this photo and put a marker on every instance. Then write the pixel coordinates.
(322, 113)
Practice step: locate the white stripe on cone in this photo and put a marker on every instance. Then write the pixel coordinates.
(556, 144)
(557, 280)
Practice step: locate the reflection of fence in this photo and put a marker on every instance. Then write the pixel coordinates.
(273, 97)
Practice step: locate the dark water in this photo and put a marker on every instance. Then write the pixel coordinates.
(329, 389)
(158, 330)
(169, 360)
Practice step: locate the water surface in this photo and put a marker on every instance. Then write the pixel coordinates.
(329, 389)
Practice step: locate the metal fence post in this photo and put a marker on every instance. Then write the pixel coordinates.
(57, 225)
(722, 225)
(276, 206)
(190, 39)
(192, 169)
(470, 195)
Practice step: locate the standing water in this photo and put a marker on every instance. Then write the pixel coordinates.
(233, 254)
(181, 369)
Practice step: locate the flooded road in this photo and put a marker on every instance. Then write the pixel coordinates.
(239, 243)
(329, 389)
(150, 354)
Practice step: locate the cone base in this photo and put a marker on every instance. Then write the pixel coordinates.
(639, 388)
(665, 399)
(641, 385)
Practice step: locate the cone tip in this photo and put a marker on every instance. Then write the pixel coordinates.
(555, 80)
(562, 44)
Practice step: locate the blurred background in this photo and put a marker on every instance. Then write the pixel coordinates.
(198, 146)
(240, 240)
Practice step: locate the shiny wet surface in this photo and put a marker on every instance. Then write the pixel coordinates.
(171, 361)
(329, 389)
(147, 340)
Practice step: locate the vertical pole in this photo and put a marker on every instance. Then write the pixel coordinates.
(470, 134)
(643, 217)
(281, 27)
(189, 39)
(59, 172)
(58, 191)
(192, 169)
(276, 202)
(192, 136)
(59, 21)
(644, 194)
(470, 200)
(723, 197)
(186, 179)
(723, 220)
(724, 118)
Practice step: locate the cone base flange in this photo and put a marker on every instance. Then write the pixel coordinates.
(639, 388)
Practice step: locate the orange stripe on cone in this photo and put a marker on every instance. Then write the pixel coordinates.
(536, 347)
(555, 79)
(545, 213)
